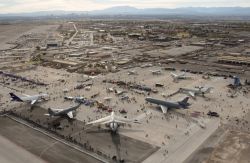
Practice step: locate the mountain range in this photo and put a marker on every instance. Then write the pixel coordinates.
(127, 10)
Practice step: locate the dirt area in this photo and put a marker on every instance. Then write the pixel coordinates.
(10, 33)
(234, 147)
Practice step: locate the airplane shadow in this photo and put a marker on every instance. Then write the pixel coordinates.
(97, 131)
(56, 122)
(117, 143)
(115, 138)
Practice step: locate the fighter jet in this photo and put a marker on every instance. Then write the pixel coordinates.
(156, 72)
(113, 121)
(176, 77)
(132, 72)
(165, 105)
(28, 98)
(200, 91)
(63, 112)
(76, 98)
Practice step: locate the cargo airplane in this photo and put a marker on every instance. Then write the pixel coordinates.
(166, 105)
(32, 99)
(68, 112)
(113, 121)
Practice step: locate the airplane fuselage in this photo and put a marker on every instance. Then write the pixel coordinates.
(201, 91)
(27, 98)
(195, 91)
(31, 98)
(64, 112)
(113, 126)
(174, 105)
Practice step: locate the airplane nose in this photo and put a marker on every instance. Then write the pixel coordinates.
(148, 99)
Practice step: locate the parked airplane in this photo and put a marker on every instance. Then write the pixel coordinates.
(63, 112)
(28, 98)
(156, 72)
(113, 121)
(107, 98)
(132, 72)
(201, 91)
(176, 77)
(165, 105)
(118, 92)
(76, 98)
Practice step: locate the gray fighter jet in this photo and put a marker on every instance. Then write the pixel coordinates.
(63, 112)
(132, 72)
(156, 72)
(177, 77)
(28, 98)
(165, 105)
(201, 91)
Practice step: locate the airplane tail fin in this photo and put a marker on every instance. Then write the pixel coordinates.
(209, 90)
(15, 97)
(184, 102)
(237, 81)
(51, 112)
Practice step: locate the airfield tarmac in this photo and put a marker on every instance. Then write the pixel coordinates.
(36, 147)
(169, 132)
(101, 141)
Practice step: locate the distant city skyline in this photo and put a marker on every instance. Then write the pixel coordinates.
(20, 6)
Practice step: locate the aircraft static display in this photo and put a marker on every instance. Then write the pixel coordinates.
(63, 112)
(177, 77)
(28, 98)
(165, 105)
(201, 91)
(113, 121)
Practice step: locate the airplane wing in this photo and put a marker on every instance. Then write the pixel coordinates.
(26, 95)
(182, 74)
(122, 120)
(56, 110)
(164, 109)
(70, 114)
(173, 74)
(102, 120)
(33, 101)
(191, 94)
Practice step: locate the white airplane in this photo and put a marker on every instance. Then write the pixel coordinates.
(63, 112)
(156, 72)
(113, 121)
(200, 91)
(108, 98)
(28, 98)
(132, 72)
(176, 77)
(117, 92)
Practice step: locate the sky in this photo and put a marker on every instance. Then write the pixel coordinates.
(18, 6)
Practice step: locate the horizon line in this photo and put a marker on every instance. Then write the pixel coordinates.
(124, 6)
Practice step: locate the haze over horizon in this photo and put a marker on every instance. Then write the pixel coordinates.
(21, 6)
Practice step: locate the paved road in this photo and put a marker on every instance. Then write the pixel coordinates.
(76, 32)
(12, 153)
